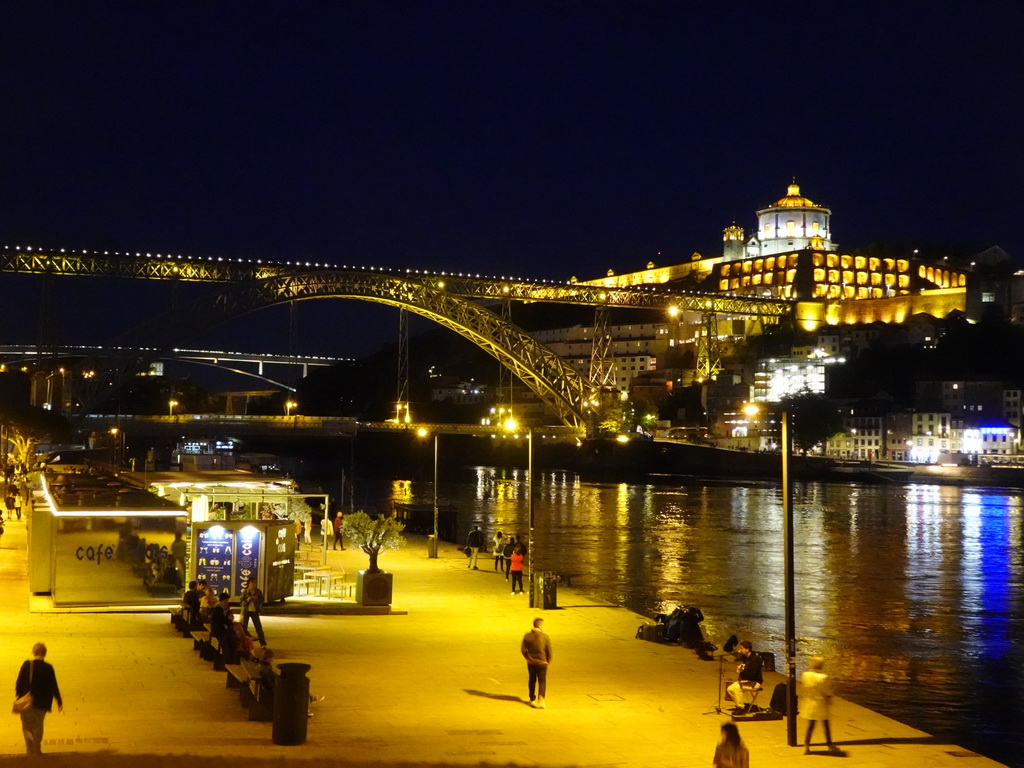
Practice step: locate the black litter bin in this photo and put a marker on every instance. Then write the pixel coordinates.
(291, 704)
(544, 586)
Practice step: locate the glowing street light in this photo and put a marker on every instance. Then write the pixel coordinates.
(171, 405)
(289, 406)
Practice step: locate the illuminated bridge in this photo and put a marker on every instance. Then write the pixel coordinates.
(459, 302)
(260, 363)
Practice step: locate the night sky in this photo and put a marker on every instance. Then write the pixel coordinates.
(537, 139)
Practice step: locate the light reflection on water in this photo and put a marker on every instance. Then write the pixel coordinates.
(912, 594)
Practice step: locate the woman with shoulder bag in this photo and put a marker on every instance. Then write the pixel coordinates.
(37, 678)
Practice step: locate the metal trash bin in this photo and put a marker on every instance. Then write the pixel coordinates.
(291, 704)
(431, 545)
(544, 590)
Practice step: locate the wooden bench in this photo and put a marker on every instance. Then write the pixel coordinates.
(237, 676)
(218, 657)
(184, 621)
(260, 701)
(201, 643)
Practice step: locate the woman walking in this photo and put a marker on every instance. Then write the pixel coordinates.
(816, 702)
(38, 678)
(731, 752)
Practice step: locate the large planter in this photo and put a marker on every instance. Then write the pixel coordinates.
(374, 588)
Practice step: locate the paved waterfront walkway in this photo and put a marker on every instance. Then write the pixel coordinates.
(440, 683)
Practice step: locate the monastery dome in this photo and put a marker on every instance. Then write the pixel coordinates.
(794, 199)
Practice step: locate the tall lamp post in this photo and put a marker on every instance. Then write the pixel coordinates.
(512, 426)
(114, 453)
(171, 405)
(789, 591)
(529, 510)
(432, 549)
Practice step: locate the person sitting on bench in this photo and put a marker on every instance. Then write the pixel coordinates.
(749, 672)
(221, 628)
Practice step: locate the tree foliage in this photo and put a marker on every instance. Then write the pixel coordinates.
(29, 425)
(814, 419)
(373, 535)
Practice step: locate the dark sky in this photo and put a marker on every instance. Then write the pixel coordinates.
(539, 139)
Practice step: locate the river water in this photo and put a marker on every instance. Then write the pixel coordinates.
(912, 594)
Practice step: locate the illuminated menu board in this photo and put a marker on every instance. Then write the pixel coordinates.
(247, 555)
(213, 557)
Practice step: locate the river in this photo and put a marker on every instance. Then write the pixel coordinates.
(912, 594)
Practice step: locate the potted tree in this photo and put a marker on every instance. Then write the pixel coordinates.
(373, 535)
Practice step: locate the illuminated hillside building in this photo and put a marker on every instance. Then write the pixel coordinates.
(793, 256)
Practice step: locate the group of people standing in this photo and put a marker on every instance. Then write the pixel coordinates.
(509, 555)
(12, 503)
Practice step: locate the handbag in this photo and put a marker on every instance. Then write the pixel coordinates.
(25, 702)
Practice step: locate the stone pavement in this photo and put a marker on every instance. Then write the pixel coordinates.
(439, 682)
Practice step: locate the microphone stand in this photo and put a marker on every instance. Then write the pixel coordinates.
(717, 710)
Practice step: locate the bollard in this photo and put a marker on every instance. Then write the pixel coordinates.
(431, 546)
(291, 704)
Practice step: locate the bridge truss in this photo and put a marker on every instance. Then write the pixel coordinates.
(456, 301)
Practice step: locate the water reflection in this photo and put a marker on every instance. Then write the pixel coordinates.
(912, 594)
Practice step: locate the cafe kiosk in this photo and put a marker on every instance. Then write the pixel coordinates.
(226, 553)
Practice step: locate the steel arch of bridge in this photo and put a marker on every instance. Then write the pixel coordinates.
(558, 385)
(446, 298)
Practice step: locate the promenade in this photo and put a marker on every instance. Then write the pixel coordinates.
(438, 682)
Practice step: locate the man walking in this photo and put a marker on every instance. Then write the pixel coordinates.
(252, 602)
(474, 541)
(536, 649)
(38, 678)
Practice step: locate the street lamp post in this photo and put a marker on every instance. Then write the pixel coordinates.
(171, 405)
(511, 426)
(790, 592)
(432, 549)
(114, 454)
(433, 552)
(529, 510)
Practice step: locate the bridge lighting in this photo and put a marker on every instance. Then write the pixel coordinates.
(673, 311)
(511, 425)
